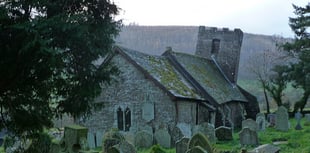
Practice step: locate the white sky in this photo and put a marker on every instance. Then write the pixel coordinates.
(252, 16)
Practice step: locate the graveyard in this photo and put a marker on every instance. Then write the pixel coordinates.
(293, 138)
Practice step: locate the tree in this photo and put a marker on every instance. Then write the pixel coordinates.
(278, 83)
(48, 54)
(261, 65)
(300, 48)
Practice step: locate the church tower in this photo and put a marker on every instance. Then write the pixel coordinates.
(222, 46)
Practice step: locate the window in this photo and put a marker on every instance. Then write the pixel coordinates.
(123, 116)
(215, 46)
(120, 121)
(127, 119)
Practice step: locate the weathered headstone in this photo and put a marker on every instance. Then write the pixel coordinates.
(282, 122)
(99, 136)
(271, 119)
(148, 111)
(74, 135)
(176, 134)
(111, 138)
(307, 116)
(248, 137)
(207, 129)
(143, 139)
(91, 140)
(250, 124)
(260, 122)
(197, 149)
(298, 117)
(266, 148)
(163, 138)
(223, 133)
(186, 129)
(123, 147)
(200, 140)
(181, 145)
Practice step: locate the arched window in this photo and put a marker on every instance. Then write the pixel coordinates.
(120, 121)
(127, 119)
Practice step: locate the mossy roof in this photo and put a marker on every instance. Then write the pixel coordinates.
(163, 72)
(206, 73)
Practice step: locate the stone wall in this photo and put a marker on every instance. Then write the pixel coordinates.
(228, 54)
(132, 89)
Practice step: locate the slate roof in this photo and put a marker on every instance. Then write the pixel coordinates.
(164, 73)
(186, 76)
(207, 74)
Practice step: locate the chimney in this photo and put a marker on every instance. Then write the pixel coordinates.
(224, 46)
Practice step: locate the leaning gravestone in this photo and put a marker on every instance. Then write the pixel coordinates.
(176, 134)
(282, 122)
(143, 139)
(248, 137)
(181, 145)
(250, 124)
(163, 138)
(260, 122)
(206, 129)
(223, 133)
(197, 149)
(122, 147)
(266, 148)
(200, 140)
(298, 117)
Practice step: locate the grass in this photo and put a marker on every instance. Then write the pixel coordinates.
(298, 140)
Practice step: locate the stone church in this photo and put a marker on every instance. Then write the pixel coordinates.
(175, 89)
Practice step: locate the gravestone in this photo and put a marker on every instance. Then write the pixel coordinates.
(122, 147)
(307, 116)
(181, 145)
(176, 134)
(99, 136)
(206, 129)
(271, 119)
(260, 122)
(186, 129)
(148, 111)
(248, 137)
(73, 136)
(200, 140)
(282, 122)
(91, 140)
(250, 124)
(3, 133)
(197, 149)
(143, 139)
(163, 138)
(223, 133)
(266, 148)
(298, 117)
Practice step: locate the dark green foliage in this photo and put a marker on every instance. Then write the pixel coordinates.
(48, 51)
(300, 48)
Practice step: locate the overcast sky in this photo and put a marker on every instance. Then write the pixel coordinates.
(267, 17)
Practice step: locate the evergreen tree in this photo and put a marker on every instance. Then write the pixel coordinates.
(49, 51)
(300, 48)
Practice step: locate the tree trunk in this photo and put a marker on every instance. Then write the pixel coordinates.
(267, 101)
